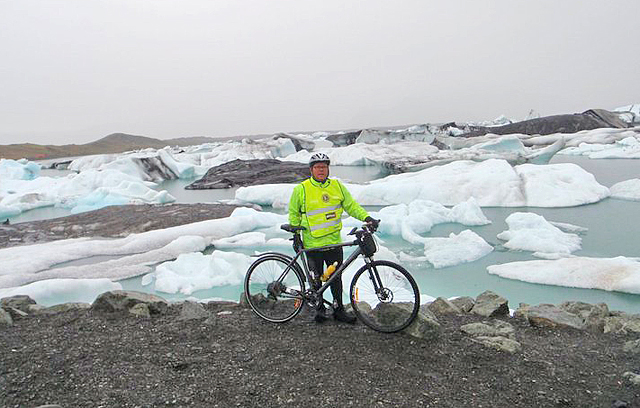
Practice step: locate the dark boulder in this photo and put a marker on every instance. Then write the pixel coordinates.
(251, 172)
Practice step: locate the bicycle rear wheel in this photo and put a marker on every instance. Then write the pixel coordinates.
(384, 296)
(272, 293)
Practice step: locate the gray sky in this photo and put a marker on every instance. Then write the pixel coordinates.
(75, 71)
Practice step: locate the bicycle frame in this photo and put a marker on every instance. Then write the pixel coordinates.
(338, 272)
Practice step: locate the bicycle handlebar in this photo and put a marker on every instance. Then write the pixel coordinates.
(368, 226)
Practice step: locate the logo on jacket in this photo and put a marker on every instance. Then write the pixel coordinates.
(325, 197)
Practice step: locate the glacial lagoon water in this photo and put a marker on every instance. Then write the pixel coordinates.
(612, 225)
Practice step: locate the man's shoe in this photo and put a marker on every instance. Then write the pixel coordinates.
(320, 316)
(342, 316)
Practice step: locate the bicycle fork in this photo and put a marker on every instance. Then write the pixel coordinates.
(382, 292)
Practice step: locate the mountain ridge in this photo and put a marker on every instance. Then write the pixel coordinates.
(113, 143)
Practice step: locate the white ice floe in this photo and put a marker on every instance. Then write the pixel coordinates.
(491, 182)
(626, 190)
(361, 154)
(147, 164)
(214, 154)
(195, 271)
(456, 249)
(419, 216)
(629, 113)
(414, 155)
(599, 136)
(54, 291)
(531, 232)
(89, 190)
(131, 256)
(613, 274)
(627, 148)
(253, 239)
(18, 169)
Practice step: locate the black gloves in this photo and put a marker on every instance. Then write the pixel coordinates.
(372, 221)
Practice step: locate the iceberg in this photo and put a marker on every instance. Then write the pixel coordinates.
(18, 169)
(629, 113)
(453, 250)
(89, 190)
(612, 274)
(627, 148)
(492, 183)
(130, 256)
(194, 271)
(55, 291)
(532, 232)
(626, 190)
(419, 216)
(146, 165)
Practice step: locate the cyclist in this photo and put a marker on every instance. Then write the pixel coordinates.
(317, 204)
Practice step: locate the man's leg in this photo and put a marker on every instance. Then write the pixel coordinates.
(336, 255)
(315, 260)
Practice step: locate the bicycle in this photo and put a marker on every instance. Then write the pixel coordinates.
(383, 295)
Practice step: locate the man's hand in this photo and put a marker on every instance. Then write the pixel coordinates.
(372, 221)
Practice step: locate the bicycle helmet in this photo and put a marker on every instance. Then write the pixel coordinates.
(319, 158)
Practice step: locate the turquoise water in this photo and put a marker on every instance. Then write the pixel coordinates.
(612, 229)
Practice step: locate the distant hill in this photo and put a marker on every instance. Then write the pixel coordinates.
(114, 143)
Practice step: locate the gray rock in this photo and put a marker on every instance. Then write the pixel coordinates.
(64, 307)
(622, 323)
(122, 300)
(593, 315)
(243, 173)
(489, 304)
(464, 303)
(522, 311)
(140, 310)
(192, 310)
(442, 306)
(5, 318)
(16, 313)
(490, 329)
(545, 315)
(633, 377)
(425, 326)
(499, 343)
(632, 346)
(20, 302)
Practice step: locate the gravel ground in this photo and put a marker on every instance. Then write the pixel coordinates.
(88, 359)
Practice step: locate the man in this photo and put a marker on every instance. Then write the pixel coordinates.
(317, 204)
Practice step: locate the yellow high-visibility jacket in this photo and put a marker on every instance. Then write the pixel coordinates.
(318, 207)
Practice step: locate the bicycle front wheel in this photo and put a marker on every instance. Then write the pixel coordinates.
(384, 296)
(273, 291)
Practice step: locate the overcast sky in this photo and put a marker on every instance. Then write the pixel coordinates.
(75, 71)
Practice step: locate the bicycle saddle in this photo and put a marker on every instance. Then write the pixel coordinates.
(292, 228)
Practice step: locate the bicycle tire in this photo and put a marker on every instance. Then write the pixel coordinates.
(277, 304)
(390, 309)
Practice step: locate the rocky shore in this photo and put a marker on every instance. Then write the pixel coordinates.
(129, 349)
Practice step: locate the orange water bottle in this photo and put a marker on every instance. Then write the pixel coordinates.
(330, 270)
